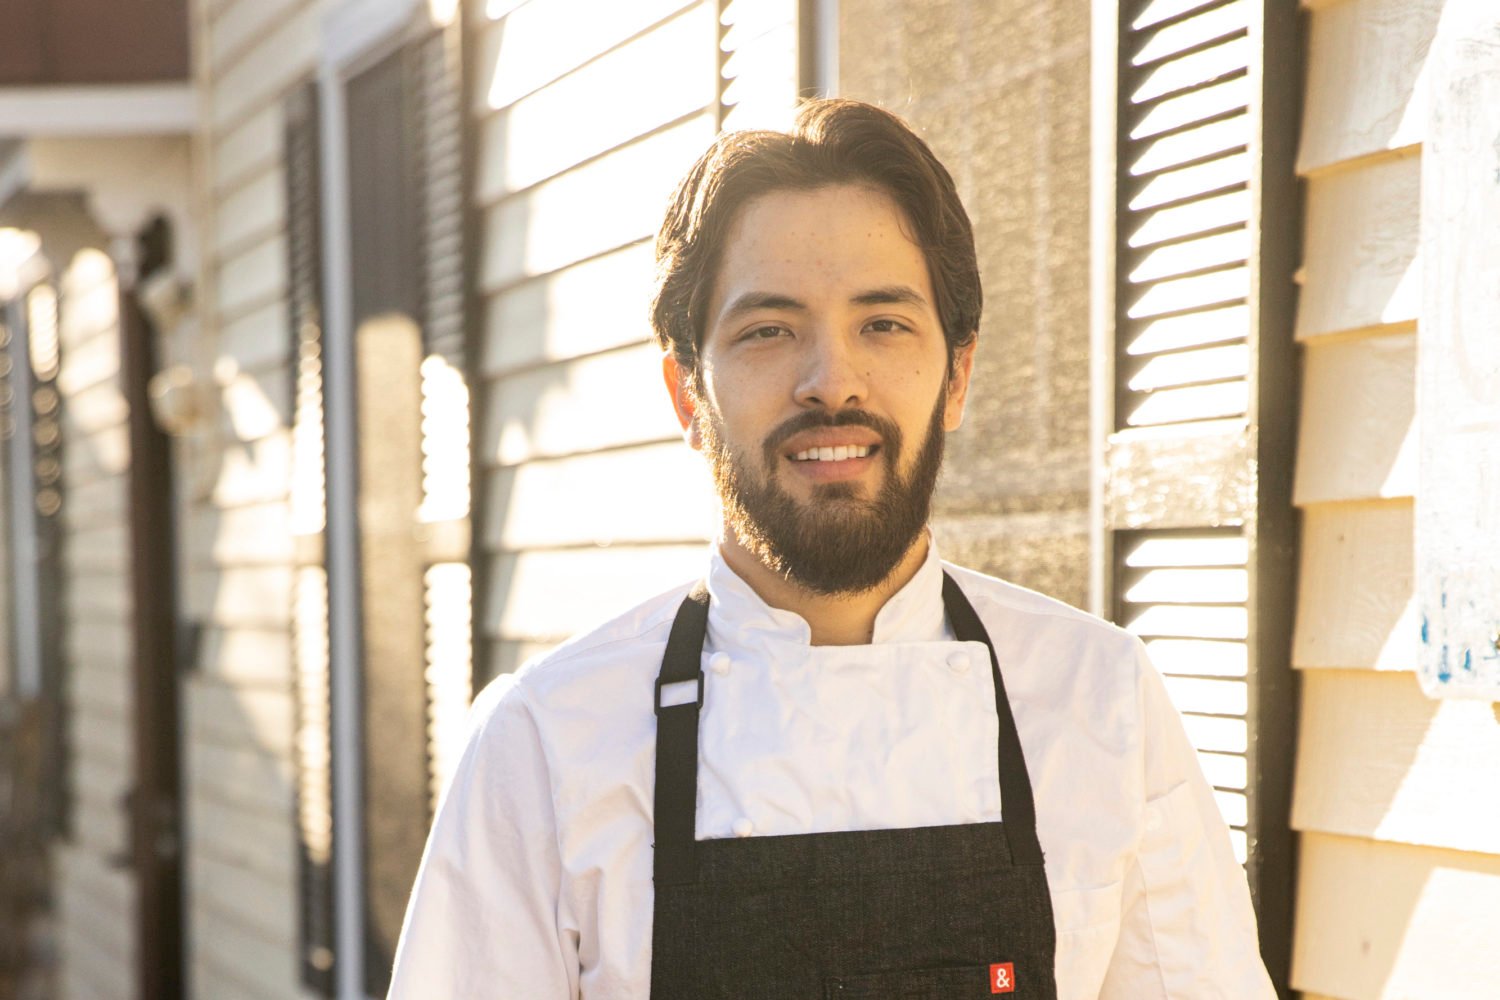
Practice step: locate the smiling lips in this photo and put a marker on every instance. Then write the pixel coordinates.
(837, 453)
(832, 455)
(831, 444)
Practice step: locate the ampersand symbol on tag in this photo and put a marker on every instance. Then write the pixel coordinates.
(1003, 978)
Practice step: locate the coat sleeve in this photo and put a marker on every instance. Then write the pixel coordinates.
(482, 920)
(1188, 927)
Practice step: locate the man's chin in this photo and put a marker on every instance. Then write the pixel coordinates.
(825, 493)
(809, 496)
(834, 507)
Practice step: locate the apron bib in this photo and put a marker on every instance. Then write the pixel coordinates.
(929, 913)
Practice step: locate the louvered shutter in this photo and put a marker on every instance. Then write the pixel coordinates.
(443, 518)
(32, 424)
(407, 188)
(312, 747)
(1196, 502)
(8, 663)
(33, 719)
(386, 294)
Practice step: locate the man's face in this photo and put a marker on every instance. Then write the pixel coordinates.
(824, 390)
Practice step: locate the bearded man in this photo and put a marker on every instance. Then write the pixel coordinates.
(837, 766)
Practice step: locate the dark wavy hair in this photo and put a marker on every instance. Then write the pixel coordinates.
(833, 142)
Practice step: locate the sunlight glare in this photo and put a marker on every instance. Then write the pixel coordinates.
(450, 665)
(445, 442)
(17, 247)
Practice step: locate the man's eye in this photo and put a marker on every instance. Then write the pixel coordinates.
(886, 326)
(766, 333)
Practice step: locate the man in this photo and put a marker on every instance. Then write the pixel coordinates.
(839, 767)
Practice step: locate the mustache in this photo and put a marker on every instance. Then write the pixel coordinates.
(890, 434)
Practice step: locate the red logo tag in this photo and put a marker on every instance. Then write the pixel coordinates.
(1003, 977)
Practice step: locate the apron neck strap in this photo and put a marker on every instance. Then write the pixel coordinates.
(1018, 807)
(676, 805)
(676, 795)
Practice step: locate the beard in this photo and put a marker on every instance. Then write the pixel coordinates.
(837, 542)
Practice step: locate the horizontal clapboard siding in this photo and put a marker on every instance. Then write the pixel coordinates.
(593, 306)
(1356, 605)
(536, 594)
(1364, 82)
(1378, 919)
(277, 59)
(240, 835)
(556, 503)
(529, 45)
(601, 205)
(603, 401)
(1383, 760)
(521, 144)
(1394, 794)
(1359, 404)
(1360, 268)
(247, 149)
(585, 486)
(95, 898)
(238, 555)
(96, 892)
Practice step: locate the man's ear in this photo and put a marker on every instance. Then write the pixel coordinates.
(679, 387)
(958, 385)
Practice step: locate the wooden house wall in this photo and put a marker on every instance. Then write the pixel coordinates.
(584, 115)
(589, 501)
(95, 893)
(1396, 799)
(241, 850)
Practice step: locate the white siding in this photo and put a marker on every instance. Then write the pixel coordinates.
(239, 793)
(585, 123)
(95, 891)
(1395, 797)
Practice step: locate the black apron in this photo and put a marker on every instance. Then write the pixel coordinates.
(931, 913)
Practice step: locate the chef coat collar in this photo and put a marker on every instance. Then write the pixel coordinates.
(738, 618)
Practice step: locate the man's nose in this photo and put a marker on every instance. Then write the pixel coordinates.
(833, 376)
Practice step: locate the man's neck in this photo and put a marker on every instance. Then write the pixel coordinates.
(835, 620)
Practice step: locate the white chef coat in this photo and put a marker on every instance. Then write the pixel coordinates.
(536, 880)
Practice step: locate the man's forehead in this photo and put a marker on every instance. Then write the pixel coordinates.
(834, 209)
(846, 241)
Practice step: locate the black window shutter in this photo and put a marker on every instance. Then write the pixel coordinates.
(408, 275)
(313, 746)
(1199, 524)
(447, 460)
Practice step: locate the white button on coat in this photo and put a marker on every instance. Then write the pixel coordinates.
(743, 827)
(958, 663)
(719, 663)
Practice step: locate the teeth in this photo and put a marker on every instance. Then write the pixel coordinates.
(838, 454)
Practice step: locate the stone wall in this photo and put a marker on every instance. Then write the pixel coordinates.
(1000, 89)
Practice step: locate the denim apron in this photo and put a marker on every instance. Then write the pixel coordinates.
(929, 913)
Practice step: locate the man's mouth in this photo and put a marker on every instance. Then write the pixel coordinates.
(839, 453)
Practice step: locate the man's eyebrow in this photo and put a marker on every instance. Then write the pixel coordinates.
(882, 296)
(889, 295)
(751, 301)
